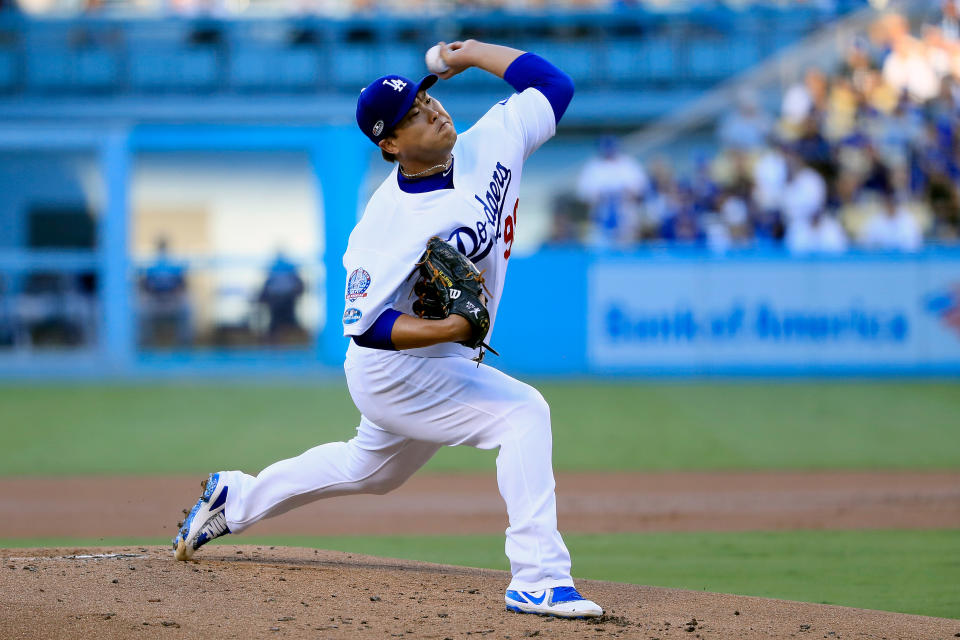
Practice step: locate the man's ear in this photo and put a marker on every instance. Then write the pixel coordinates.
(389, 144)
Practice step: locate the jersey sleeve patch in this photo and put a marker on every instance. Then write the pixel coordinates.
(357, 285)
(351, 315)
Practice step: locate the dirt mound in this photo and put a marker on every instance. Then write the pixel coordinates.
(257, 592)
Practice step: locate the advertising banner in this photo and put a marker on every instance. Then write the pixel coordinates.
(866, 314)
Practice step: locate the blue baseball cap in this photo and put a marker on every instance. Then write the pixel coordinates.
(384, 102)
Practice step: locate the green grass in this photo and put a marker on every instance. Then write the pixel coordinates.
(192, 428)
(905, 571)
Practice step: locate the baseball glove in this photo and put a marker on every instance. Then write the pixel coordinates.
(448, 283)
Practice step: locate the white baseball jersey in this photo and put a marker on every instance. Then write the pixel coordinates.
(478, 216)
(401, 426)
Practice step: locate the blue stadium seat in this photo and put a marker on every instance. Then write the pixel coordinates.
(271, 68)
(652, 59)
(173, 69)
(96, 69)
(715, 59)
(580, 59)
(162, 58)
(706, 59)
(793, 22)
(251, 67)
(48, 69)
(301, 68)
(354, 66)
(406, 60)
(477, 78)
(8, 70)
(744, 53)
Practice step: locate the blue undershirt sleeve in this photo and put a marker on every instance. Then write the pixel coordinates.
(378, 335)
(530, 70)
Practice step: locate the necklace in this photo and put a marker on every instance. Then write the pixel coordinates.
(442, 165)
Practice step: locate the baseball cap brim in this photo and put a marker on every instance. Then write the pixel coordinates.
(425, 83)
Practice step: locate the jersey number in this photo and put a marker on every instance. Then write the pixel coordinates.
(509, 226)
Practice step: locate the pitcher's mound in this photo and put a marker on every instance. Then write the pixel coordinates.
(264, 592)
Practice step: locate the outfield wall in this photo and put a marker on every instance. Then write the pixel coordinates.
(752, 314)
(575, 313)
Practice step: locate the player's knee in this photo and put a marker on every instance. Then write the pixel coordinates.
(369, 475)
(380, 484)
(370, 478)
(534, 415)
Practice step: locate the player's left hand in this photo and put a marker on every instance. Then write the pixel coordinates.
(450, 284)
(457, 55)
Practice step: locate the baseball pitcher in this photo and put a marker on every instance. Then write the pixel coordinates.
(425, 269)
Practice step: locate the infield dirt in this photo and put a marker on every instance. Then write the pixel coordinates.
(266, 592)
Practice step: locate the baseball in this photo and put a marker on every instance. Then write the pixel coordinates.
(434, 62)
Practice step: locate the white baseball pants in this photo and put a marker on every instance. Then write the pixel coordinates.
(411, 406)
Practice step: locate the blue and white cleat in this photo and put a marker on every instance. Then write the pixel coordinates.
(563, 602)
(205, 521)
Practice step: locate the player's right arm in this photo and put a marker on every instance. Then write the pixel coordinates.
(522, 70)
(543, 91)
(462, 55)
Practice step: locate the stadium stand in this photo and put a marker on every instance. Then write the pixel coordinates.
(864, 154)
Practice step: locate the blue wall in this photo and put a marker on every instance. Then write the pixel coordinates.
(655, 314)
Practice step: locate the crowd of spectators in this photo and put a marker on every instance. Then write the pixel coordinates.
(866, 155)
